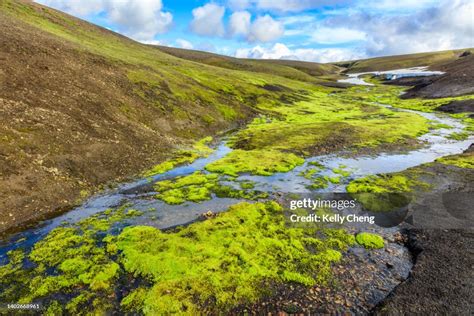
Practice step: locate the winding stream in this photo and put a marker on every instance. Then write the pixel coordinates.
(139, 194)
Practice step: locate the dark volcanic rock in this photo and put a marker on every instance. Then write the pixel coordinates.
(458, 106)
(412, 81)
(441, 282)
(458, 80)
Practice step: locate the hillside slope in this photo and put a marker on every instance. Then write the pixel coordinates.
(82, 106)
(298, 70)
(458, 80)
(432, 59)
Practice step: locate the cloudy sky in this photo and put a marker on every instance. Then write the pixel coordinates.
(311, 30)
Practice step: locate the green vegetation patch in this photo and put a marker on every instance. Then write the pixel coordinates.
(462, 161)
(199, 187)
(226, 261)
(199, 150)
(327, 122)
(257, 162)
(369, 240)
(195, 187)
(72, 264)
(459, 135)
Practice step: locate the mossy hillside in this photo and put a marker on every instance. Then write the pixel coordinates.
(302, 71)
(465, 160)
(225, 261)
(182, 89)
(326, 122)
(199, 150)
(386, 192)
(369, 240)
(403, 61)
(225, 89)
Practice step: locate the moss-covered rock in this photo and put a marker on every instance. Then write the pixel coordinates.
(258, 162)
(369, 240)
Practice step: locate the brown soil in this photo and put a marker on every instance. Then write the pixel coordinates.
(70, 122)
(458, 80)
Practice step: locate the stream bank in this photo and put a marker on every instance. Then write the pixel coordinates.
(360, 281)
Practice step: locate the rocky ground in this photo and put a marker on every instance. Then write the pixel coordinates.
(441, 240)
(441, 282)
(457, 80)
(360, 281)
(438, 234)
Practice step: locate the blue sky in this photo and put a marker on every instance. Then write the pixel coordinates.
(312, 30)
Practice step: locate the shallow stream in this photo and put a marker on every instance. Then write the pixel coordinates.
(139, 194)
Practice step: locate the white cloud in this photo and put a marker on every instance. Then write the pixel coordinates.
(337, 35)
(282, 5)
(75, 7)
(153, 42)
(207, 20)
(181, 43)
(395, 5)
(139, 19)
(238, 5)
(294, 5)
(239, 23)
(449, 25)
(281, 51)
(265, 29)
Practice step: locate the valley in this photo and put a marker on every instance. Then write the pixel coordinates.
(149, 180)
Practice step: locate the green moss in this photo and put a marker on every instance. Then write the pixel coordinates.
(199, 150)
(246, 185)
(134, 301)
(224, 191)
(309, 173)
(225, 260)
(323, 121)
(195, 187)
(440, 126)
(258, 162)
(341, 171)
(369, 240)
(320, 182)
(462, 161)
(54, 309)
(198, 187)
(459, 135)
(73, 264)
(386, 183)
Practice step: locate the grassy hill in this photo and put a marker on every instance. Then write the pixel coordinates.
(298, 70)
(82, 106)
